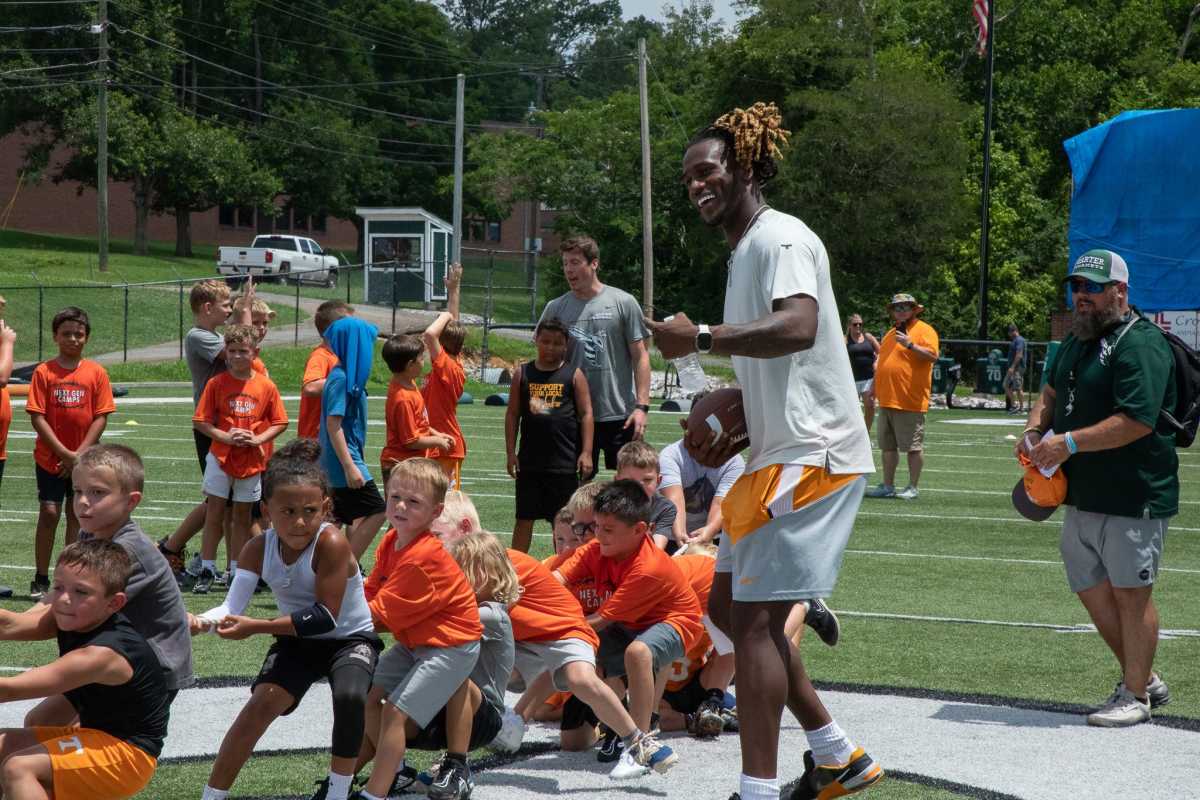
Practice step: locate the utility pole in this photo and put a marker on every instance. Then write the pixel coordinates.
(102, 142)
(986, 199)
(456, 248)
(647, 219)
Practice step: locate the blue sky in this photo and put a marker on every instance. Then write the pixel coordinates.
(653, 9)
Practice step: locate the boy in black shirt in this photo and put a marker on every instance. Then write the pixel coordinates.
(109, 674)
(549, 403)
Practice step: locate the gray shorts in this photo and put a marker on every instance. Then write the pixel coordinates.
(534, 658)
(1125, 550)
(419, 682)
(664, 642)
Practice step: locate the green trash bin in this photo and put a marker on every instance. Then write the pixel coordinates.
(989, 373)
(941, 375)
(1048, 364)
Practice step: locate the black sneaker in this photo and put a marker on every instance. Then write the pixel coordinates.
(39, 587)
(204, 581)
(322, 789)
(6, 591)
(405, 782)
(707, 722)
(610, 747)
(177, 561)
(821, 619)
(837, 780)
(729, 719)
(261, 587)
(453, 781)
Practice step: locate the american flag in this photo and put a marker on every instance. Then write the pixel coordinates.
(980, 9)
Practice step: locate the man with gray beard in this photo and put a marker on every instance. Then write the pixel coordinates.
(1111, 377)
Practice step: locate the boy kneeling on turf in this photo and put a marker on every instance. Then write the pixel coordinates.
(649, 616)
(417, 591)
(110, 675)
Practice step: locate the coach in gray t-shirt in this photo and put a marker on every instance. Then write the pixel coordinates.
(608, 344)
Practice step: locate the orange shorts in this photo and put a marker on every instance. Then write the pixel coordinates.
(92, 765)
(453, 470)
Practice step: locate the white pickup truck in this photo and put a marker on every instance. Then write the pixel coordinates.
(280, 256)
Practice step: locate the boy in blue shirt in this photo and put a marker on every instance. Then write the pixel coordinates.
(343, 434)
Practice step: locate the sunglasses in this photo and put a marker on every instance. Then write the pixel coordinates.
(582, 529)
(1084, 286)
(903, 307)
(855, 324)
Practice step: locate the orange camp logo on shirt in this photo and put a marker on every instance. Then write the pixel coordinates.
(69, 395)
(242, 405)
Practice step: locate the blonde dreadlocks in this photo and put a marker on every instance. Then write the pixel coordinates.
(755, 135)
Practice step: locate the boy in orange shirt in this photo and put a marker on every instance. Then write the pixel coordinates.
(649, 616)
(444, 384)
(320, 361)
(242, 412)
(409, 434)
(70, 399)
(417, 591)
(8, 338)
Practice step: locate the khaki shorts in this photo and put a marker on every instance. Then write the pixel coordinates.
(902, 431)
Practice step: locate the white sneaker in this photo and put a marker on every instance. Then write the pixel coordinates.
(642, 756)
(907, 493)
(512, 732)
(1124, 710)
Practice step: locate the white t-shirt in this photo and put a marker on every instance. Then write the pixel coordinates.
(818, 422)
(700, 484)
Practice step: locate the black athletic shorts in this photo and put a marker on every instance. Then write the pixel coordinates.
(203, 443)
(51, 488)
(351, 504)
(294, 664)
(608, 437)
(540, 495)
(576, 714)
(688, 697)
(484, 727)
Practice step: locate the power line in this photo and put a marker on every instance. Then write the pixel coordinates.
(305, 145)
(47, 84)
(32, 28)
(172, 85)
(45, 68)
(397, 115)
(43, 2)
(17, 50)
(667, 97)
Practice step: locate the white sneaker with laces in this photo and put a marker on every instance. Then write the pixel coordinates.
(907, 493)
(1124, 710)
(512, 732)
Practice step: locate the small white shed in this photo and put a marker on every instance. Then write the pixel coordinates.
(407, 251)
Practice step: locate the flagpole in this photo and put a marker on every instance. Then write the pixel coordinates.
(985, 201)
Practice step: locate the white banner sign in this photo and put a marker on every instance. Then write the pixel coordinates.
(1184, 324)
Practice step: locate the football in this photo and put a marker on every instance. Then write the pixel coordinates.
(719, 411)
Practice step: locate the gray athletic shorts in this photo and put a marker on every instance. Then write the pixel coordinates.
(534, 658)
(420, 681)
(1125, 550)
(664, 642)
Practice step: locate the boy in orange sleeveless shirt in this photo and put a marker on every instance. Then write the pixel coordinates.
(417, 591)
(70, 399)
(320, 361)
(444, 384)
(242, 412)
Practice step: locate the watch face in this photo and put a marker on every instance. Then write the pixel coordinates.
(704, 341)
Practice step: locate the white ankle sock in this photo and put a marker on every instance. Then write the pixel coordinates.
(339, 786)
(214, 794)
(365, 795)
(830, 745)
(759, 788)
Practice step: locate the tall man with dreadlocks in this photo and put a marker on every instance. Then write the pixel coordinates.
(789, 517)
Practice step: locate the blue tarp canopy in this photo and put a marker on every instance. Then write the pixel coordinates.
(1137, 192)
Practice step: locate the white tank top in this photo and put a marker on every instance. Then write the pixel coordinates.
(295, 588)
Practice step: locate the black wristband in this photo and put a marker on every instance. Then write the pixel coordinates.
(643, 407)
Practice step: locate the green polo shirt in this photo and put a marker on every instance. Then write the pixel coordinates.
(1091, 382)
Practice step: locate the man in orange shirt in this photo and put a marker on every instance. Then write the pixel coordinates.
(903, 378)
(417, 591)
(409, 434)
(70, 399)
(649, 616)
(242, 412)
(444, 384)
(320, 361)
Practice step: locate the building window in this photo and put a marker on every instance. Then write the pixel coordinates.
(225, 215)
(318, 223)
(283, 220)
(493, 231)
(475, 230)
(301, 222)
(245, 217)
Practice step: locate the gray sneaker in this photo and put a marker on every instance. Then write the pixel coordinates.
(882, 490)
(907, 493)
(1157, 689)
(1122, 712)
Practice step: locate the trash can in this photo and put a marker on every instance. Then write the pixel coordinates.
(941, 374)
(989, 373)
